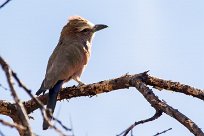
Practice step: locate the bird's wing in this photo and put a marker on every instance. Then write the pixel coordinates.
(44, 86)
(54, 54)
(66, 59)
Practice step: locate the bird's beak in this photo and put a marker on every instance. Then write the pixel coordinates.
(99, 27)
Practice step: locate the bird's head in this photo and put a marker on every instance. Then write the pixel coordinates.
(79, 24)
(80, 29)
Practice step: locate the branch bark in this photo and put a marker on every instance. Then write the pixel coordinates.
(173, 86)
(164, 107)
(3, 4)
(139, 81)
(154, 117)
(12, 125)
(22, 117)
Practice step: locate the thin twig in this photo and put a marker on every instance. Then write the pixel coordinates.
(12, 125)
(71, 125)
(21, 84)
(21, 109)
(131, 132)
(3, 4)
(162, 132)
(60, 123)
(155, 116)
(3, 87)
(1, 133)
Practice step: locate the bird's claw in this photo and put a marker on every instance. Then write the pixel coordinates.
(80, 84)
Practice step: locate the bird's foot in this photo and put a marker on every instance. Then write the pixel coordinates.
(80, 84)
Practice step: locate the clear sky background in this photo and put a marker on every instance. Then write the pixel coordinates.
(165, 37)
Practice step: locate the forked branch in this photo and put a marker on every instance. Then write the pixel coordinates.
(139, 81)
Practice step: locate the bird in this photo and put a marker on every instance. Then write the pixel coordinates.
(68, 59)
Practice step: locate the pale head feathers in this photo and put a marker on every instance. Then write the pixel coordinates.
(78, 23)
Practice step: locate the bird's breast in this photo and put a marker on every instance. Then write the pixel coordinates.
(86, 51)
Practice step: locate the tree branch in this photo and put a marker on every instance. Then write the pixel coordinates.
(1, 133)
(18, 119)
(139, 81)
(3, 4)
(173, 86)
(155, 116)
(159, 133)
(12, 125)
(23, 117)
(164, 107)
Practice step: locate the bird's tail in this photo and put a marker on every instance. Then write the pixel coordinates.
(41, 90)
(52, 99)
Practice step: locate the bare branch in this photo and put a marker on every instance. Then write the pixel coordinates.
(140, 81)
(12, 125)
(7, 108)
(155, 116)
(20, 83)
(43, 110)
(173, 86)
(164, 107)
(61, 124)
(85, 90)
(71, 125)
(1, 133)
(115, 84)
(45, 118)
(20, 108)
(3, 4)
(3, 87)
(163, 132)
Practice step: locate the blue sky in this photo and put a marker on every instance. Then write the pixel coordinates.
(165, 37)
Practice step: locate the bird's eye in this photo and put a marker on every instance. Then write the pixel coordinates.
(85, 30)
